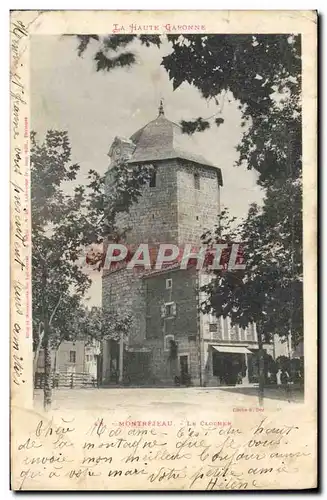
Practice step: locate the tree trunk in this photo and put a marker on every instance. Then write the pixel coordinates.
(47, 375)
(121, 358)
(37, 352)
(56, 353)
(261, 354)
(47, 389)
(41, 334)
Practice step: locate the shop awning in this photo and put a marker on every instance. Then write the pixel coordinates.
(237, 349)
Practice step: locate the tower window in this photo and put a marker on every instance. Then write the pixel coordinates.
(153, 179)
(169, 283)
(196, 181)
(169, 310)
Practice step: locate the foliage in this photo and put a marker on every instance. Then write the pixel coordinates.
(101, 324)
(66, 218)
(63, 224)
(198, 125)
(106, 57)
(109, 202)
(124, 187)
(269, 290)
(58, 280)
(262, 72)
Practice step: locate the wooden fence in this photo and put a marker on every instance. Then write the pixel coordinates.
(66, 380)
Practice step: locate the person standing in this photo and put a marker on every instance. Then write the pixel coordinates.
(279, 377)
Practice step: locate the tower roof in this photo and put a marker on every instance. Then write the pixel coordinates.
(162, 139)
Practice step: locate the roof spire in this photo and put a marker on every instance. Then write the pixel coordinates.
(161, 108)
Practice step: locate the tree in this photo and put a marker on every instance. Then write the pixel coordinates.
(262, 72)
(268, 292)
(65, 219)
(63, 325)
(103, 324)
(111, 51)
(57, 278)
(106, 323)
(109, 200)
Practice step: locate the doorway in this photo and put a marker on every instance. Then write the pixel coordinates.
(183, 363)
(230, 368)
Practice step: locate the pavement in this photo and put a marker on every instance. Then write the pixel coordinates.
(184, 398)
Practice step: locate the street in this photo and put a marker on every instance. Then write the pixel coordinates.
(188, 399)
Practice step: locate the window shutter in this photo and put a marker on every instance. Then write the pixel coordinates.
(163, 311)
(173, 309)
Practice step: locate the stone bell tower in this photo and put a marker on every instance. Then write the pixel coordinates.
(183, 196)
(180, 201)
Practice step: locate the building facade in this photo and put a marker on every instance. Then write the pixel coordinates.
(73, 358)
(170, 341)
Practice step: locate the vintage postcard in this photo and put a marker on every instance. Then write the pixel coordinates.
(163, 263)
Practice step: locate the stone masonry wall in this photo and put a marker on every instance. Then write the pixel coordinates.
(171, 212)
(197, 208)
(123, 291)
(183, 326)
(174, 211)
(183, 294)
(153, 218)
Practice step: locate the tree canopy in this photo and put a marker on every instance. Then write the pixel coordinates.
(66, 219)
(58, 280)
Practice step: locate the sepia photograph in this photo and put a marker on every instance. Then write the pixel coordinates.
(184, 141)
(161, 273)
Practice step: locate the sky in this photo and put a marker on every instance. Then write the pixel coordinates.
(68, 94)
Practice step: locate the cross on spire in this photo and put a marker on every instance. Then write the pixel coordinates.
(161, 108)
